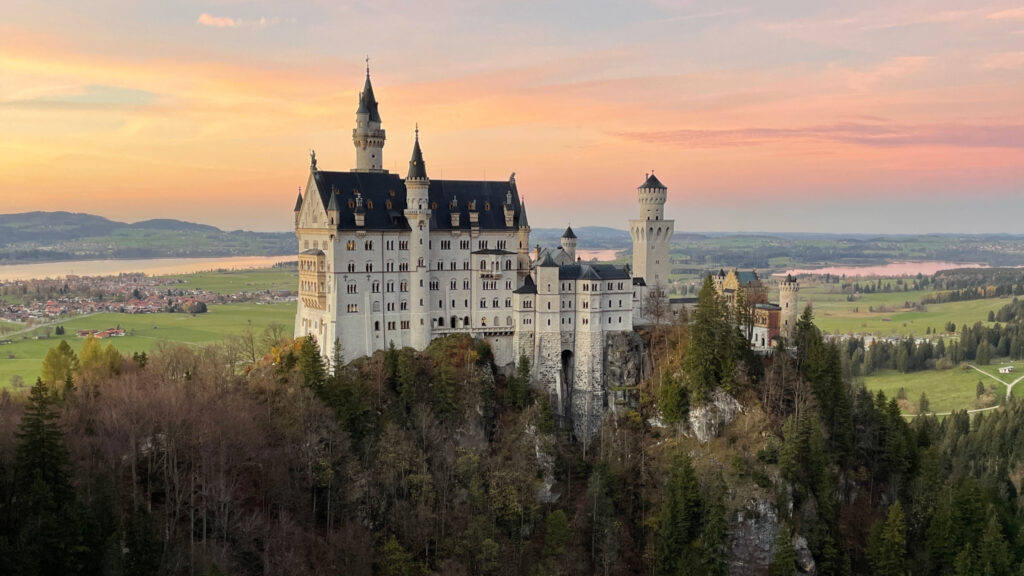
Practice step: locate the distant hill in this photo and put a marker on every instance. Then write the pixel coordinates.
(57, 236)
(590, 237)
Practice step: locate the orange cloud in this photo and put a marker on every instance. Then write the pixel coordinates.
(1011, 14)
(1003, 61)
(226, 22)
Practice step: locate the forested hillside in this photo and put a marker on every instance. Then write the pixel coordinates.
(410, 463)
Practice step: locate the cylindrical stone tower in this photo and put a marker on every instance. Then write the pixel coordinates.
(788, 289)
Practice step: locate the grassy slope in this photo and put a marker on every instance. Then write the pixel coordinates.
(947, 390)
(145, 330)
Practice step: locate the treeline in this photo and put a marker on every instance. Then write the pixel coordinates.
(975, 284)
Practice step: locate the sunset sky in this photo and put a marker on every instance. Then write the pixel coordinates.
(796, 115)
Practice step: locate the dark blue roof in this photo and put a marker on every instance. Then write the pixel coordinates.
(569, 233)
(653, 182)
(367, 103)
(379, 189)
(528, 287)
(591, 272)
(417, 168)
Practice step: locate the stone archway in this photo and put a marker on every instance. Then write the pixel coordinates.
(567, 379)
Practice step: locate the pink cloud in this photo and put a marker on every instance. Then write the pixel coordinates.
(1014, 13)
(216, 21)
(226, 22)
(1003, 61)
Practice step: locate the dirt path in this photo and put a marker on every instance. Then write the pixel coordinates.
(45, 324)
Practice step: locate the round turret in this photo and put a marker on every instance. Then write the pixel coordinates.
(788, 290)
(651, 196)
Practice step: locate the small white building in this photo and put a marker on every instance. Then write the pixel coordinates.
(1006, 369)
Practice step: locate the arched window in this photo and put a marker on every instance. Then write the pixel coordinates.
(508, 321)
(465, 321)
(483, 321)
(483, 265)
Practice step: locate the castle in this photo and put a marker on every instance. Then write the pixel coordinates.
(385, 260)
(766, 320)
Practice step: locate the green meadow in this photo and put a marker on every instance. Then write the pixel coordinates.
(947, 390)
(235, 281)
(25, 357)
(885, 314)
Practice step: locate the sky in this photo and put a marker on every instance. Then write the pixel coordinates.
(868, 116)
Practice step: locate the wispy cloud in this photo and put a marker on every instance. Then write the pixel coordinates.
(91, 97)
(1011, 14)
(228, 22)
(874, 135)
(1003, 61)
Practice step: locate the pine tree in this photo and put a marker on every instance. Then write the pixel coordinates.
(784, 561)
(47, 538)
(311, 365)
(679, 521)
(888, 548)
(703, 361)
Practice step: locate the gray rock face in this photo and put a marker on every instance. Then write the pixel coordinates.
(804, 559)
(623, 364)
(709, 420)
(753, 544)
(546, 463)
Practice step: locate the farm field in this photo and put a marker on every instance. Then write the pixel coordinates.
(24, 357)
(234, 281)
(947, 390)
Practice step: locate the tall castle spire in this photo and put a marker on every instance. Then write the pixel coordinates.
(367, 136)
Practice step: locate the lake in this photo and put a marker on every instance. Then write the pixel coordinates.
(890, 269)
(152, 267)
(599, 255)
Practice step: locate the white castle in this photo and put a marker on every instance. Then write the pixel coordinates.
(385, 260)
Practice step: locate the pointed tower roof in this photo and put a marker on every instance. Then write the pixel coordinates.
(653, 182)
(417, 169)
(298, 202)
(367, 103)
(332, 206)
(569, 233)
(523, 222)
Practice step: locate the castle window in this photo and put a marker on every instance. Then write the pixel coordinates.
(390, 266)
(351, 289)
(483, 265)
(376, 326)
(403, 267)
(496, 324)
(465, 321)
(465, 284)
(483, 321)
(453, 303)
(369, 266)
(404, 305)
(352, 308)
(389, 245)
(391, 306)
(464, 244)
(391, 286)
(403, 244)
(495, 303)
(508, 264)
(376, 286)
(549, 321)
(508, 302)
(376, 306)
(501, 244)
(453, 284)
(305, 244)
(435, 285)
(404, 287)
(440, 303)
(350, 245)
(405, 324)
(549, 308)
(508, 284)
(391, 325)
(440, 265)
(368, 245)
(440, 322)
(620, 285)
(483, 302)
(465, 265)
(620, 319)
(508, 321)
(351, 266)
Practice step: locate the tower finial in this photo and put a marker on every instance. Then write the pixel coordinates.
(367, 65)
(417, 131)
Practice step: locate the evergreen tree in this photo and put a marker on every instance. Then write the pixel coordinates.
(311, 365)
(679, 521)
(46, 530)
(888, 548)
(784, 561)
